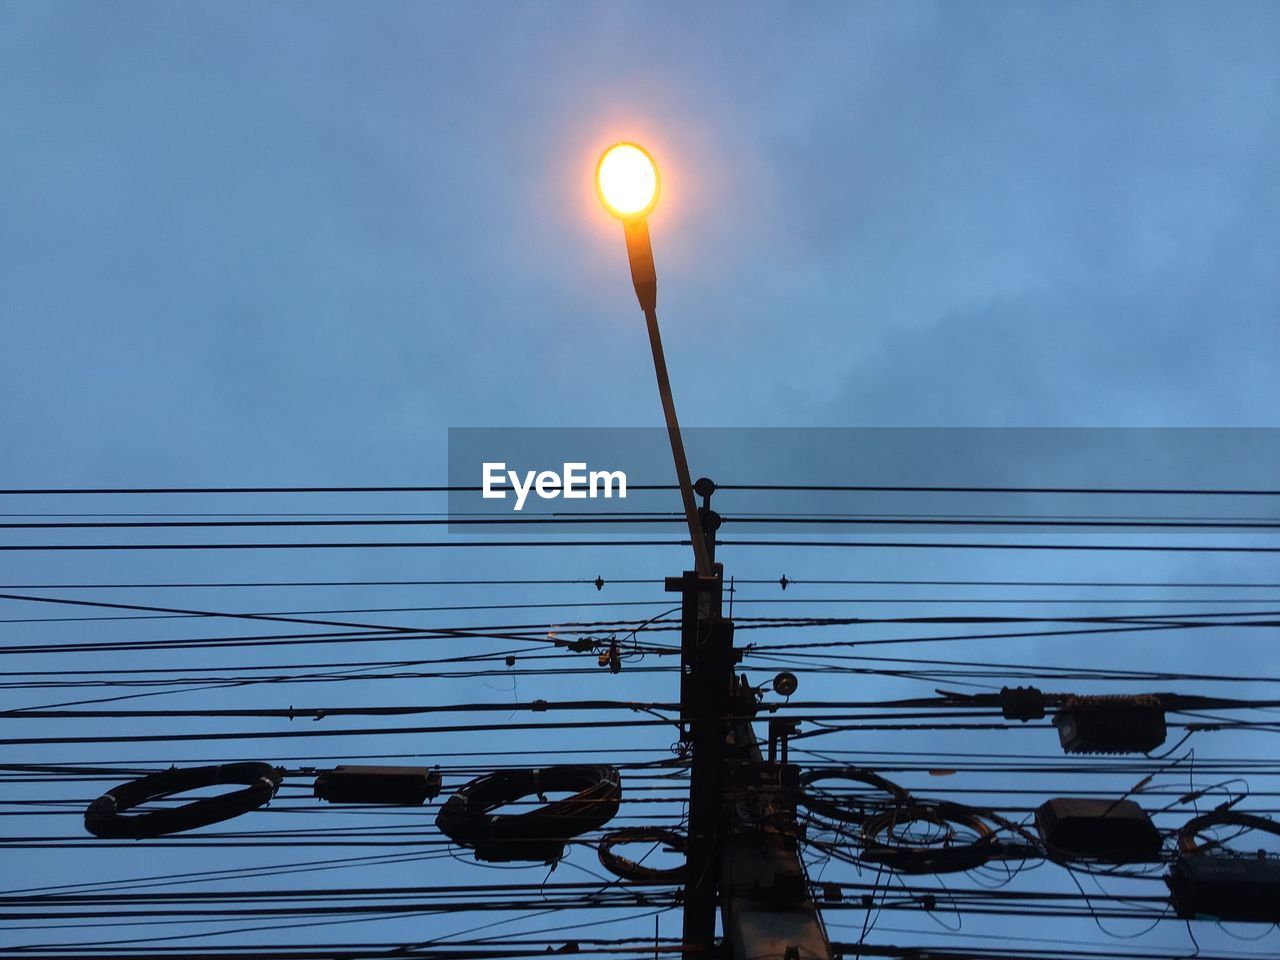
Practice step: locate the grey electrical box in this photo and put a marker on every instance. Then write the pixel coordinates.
(399, 786)
(1133, 724)
(1226, 888)
(1116, 831)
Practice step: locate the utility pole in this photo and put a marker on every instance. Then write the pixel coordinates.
(743, 852)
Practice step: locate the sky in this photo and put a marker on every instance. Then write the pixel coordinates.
(267, 241)
(294, 244)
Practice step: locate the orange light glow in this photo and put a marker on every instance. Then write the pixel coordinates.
(627, 181)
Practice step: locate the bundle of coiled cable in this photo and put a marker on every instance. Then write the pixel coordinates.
(540, 835)
(885, 839)
(627, 869)
(106, 818)
(848, 808)
(1191, 842)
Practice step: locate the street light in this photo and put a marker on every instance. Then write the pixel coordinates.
(627, 181)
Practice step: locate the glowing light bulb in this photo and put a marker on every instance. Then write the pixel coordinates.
(627, 180)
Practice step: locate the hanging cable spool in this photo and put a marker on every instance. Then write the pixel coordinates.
(106, 817)
(540, 835)
(884, 840)
(1191, 843)
(627, 869)
(849, 809)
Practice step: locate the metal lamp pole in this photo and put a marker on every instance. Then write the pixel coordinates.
(757, 874)
(627, 179)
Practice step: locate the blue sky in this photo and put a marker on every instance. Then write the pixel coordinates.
(295, 243)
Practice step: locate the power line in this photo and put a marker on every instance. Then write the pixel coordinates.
(1102, 523)
(904, 545)
(587, 581)
(493, 544)
(775, 487)
(420, 545)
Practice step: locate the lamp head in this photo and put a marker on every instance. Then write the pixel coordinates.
(627, 181)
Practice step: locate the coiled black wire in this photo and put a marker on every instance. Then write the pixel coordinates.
(539, 835)
(1189, 843)
(879, 845)
(627, 869)
(847, 809)
(105, 816)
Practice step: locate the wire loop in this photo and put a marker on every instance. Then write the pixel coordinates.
(928, 857)
(104, 817)
(628, 869)
(541, 834)
(849, 809)
(1189, 843)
